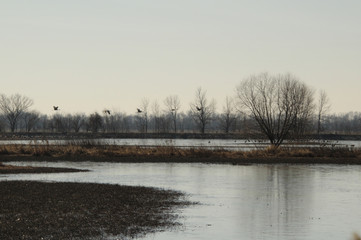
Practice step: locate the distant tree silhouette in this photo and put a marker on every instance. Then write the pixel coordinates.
(30, 120)
(202, 110)
(228, 116)
(2, 124)
(323, 107)
(77, 121)
(172, 104)
(156, 117)
(13, 107)
(57, 123)
(142, 116)
(95, 122)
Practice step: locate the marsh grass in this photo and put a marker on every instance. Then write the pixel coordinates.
(93, 148)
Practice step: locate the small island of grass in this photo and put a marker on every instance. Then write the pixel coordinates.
(88, 151)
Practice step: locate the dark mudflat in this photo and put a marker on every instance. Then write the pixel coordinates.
(9, 169)
(190, 159)
(38, 210)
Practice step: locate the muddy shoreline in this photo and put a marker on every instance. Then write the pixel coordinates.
(49, 210)
(177, 159)
(9, 169)
(39, 210)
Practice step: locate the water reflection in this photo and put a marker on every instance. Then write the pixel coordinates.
(282, 202)
(242, 202)
(228, 144)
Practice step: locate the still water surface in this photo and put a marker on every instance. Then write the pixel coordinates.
(241, 202)
(228, 144)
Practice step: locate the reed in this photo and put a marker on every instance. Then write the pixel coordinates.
(95, 149)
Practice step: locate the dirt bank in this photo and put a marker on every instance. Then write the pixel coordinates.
(9, 169)
(207, 160)
(37, 210)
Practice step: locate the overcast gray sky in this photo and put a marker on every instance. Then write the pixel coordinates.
(88, 55)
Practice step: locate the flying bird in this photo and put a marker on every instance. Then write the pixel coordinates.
(198, 108)
(106, 111)
(56, 108)
(139, 111)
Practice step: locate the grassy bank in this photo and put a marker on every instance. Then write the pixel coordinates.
(91, 151)
(36, 210)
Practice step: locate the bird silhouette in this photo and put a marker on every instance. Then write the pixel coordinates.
(106, 111)
(56, 108)
(199, 108)
(139, 111)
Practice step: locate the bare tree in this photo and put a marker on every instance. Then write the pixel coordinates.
(323, 107)
(305, 114)
(124, 121)
(172, 104)
(278, 103)
(77, 121)
(142, 116)
(345, 123)
(202, 110)
(13, 107)
(95, 122)
(2, 124)
(61, 123)
(115, 122)
(156, 116)
(44, 123)
(109, 125)
(228, 116)
(30, 120)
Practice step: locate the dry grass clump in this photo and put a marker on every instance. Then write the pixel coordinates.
(41, 150)
(95, 150)
(339, 152)
(105, 150)
(306, 152)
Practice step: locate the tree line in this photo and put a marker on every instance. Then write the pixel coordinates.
(276, 106)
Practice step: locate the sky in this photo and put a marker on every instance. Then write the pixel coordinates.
(90, 55)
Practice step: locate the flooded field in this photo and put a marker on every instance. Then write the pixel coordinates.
(228, 144)
(240, 202)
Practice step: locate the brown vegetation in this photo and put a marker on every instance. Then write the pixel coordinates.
(10, 169)
(35, 210)
(90, 151)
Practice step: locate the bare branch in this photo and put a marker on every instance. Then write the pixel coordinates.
(13, 107)
(280, 104)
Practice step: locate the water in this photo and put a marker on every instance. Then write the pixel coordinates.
(147, 142)
(241, 202)
(228, 144)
